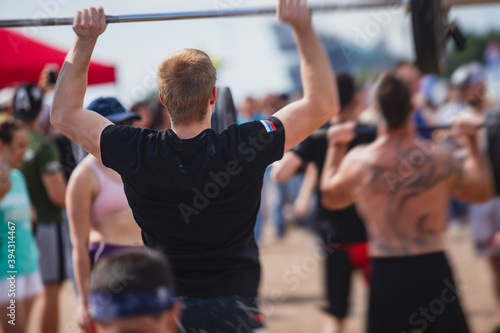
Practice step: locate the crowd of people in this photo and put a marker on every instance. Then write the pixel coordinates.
(343, 232)
(157, 218)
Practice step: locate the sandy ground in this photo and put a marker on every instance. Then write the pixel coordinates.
(299, 307)
(292, 288)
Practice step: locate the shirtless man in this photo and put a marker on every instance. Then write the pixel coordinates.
(342, 232)
(401, 185)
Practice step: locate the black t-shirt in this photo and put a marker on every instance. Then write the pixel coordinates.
(334, 226)
(197, 200)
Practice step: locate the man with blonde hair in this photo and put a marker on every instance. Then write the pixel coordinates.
(195, 193)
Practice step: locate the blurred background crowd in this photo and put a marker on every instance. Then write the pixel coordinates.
(54, 172)
(47, 160)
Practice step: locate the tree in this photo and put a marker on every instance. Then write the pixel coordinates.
(474, 51)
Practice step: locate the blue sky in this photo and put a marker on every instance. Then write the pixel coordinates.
(246, 48)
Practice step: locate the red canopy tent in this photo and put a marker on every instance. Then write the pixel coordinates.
(22, 59)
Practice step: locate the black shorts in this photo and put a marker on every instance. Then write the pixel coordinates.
(225, 314)
(414, 294)
(338, 283)
(342, 260)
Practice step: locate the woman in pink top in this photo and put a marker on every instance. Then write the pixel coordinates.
(100, 219)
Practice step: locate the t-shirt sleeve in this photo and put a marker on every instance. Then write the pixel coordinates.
(48, 159)
(261, 142)
(304, 150)
(119, 147)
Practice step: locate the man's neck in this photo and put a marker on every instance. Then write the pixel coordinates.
(399, 133)
(190, 130)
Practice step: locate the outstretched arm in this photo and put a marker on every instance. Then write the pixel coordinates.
(67, 114)
(320, 101)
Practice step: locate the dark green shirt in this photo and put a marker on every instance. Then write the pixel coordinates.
(41, 158)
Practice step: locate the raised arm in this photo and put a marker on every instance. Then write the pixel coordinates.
(320, 101)
(67, 114)
(473, 182)
(336, 180)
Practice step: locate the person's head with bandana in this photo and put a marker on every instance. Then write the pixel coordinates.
(132, 291)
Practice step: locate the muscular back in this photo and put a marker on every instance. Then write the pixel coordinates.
(402, 193)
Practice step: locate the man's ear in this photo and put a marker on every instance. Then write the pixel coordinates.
(161, 100)
(213, 99)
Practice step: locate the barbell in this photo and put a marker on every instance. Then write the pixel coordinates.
(225, 115)
(258, 11)
(491, 123)
(431, 32)
(430, 27)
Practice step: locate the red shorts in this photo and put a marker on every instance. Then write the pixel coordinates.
(358, 256)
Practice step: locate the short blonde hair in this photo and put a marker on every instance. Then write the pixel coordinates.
(186, 80)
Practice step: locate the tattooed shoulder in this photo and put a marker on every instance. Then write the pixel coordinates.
(417, 168)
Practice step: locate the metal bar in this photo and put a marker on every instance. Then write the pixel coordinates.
(370, 130)
(196, 14)
(450, 3)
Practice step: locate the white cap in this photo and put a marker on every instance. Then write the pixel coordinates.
(468, 75)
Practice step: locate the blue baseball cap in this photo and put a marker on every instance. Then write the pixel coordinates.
(111, 109)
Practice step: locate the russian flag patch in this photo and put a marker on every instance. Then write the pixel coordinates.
(269, 125)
